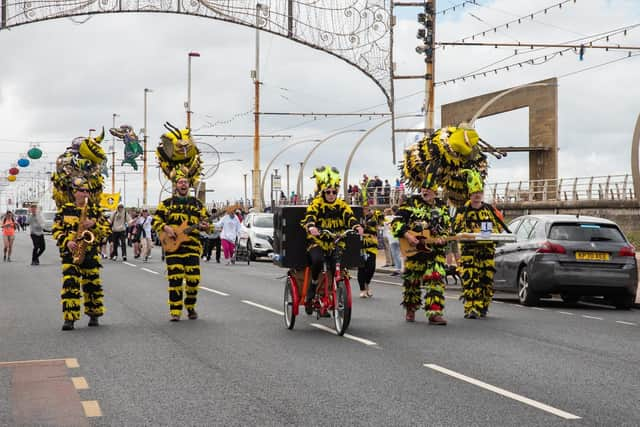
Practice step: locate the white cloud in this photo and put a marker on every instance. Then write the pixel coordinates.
(59, 79)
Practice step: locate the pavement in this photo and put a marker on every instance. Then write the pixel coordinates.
(381, 268)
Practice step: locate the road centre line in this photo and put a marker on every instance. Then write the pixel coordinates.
(129, 264)
(264, 307)
(538, 308)
(503, 392)
(566, 313)
(91, 408)
(348, 336)
(386, 283)
(591, 317)
(214, 291)
(626, 323)
(149, 271)
(79, 383)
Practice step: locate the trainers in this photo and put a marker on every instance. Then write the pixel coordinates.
(369, 292)
(395, 273)
(174, 318)
(124, 258)
(308, 307)
(193, 315)
(67, 325)
(363, 294)
(146, 259)
(93, 321)
(437, 320)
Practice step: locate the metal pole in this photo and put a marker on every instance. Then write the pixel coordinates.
(191, 55)
(113, 157)
(430, 87)
(144, 151)
(257, 202)
(288, 189)
(299, 187)
(245, 190)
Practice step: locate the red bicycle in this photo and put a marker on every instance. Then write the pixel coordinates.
(333, 294)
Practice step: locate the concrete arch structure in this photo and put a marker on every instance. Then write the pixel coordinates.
(635, 161)
(542, 100)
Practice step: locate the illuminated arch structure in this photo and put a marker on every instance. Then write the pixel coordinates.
(356, 31)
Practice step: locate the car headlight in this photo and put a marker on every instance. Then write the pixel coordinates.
(262, 236)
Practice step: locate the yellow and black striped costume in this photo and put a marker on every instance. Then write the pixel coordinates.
(370, 224)
(85, 277)
(335, 217)
(184, 263)
(477, 258)
(424, 268)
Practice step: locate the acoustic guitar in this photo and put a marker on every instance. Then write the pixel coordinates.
(182, 231)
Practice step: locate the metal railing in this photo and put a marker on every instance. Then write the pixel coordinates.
(605, 187)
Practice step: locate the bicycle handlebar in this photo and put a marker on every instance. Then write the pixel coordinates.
(337, 236)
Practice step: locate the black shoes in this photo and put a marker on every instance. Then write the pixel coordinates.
(124, 258)
(193, 315)
(93, 321)
(67, 325)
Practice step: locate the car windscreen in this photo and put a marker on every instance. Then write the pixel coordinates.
(586, 232)
(263, 221)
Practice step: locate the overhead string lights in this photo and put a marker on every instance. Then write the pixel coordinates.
(457, 6)
(528, 16)
(539, 60)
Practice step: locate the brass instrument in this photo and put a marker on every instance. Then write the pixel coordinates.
(83, 237)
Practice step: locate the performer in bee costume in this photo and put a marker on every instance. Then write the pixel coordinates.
(373, 220)
(426, 267)
(477, 258)
(79, 227)
(325, 212)
(179, 160)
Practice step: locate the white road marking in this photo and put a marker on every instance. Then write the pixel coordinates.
(348, 336)
(538, 308)
(129, 264)
(149, 271)
(387, 283)
(566, 313)
(497, 302)
(503, 392)
(214, 291)
(591, 317)
(626, 323)
(264, 307)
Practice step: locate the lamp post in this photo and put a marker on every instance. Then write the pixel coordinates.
(244, 205)
(113, 157)
(188, 103)
(144, 151)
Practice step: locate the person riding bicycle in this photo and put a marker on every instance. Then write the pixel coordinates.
(325, 212)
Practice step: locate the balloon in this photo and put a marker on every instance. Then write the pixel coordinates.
(14, 171)
(23, 163)
(34, 153)
(11, 178)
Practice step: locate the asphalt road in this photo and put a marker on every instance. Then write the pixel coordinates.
(238, 364)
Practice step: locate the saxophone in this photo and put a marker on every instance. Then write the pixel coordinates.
(83, 237)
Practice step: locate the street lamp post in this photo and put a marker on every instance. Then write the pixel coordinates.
(188, 103)
(244, 204)
(113, 157)
(144, 151)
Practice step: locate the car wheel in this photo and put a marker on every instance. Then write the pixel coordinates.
(570, 298)
(525, 295)
(623, 302)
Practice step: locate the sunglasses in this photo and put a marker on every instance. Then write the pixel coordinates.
(82, 190)
(330, 192)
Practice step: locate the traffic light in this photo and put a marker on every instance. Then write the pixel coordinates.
(426, 19)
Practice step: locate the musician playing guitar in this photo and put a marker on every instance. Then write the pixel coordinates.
(477, 257)
(421, 216)
(178, 219)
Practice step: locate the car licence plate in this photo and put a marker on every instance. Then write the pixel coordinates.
(592, 256)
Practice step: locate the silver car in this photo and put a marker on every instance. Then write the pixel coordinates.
(259, 227)
(570, 255)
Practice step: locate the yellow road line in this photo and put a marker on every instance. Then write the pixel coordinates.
(91, 408)
(72, 363)
(80, 383)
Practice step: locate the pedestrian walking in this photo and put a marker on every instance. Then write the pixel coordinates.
(9, 226)
(229, 227)
(119, 221)
(36, 225)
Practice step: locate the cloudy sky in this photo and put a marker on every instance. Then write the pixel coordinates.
(60, 78)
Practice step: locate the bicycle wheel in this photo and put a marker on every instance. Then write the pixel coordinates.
(290, 298)
(341, 309)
